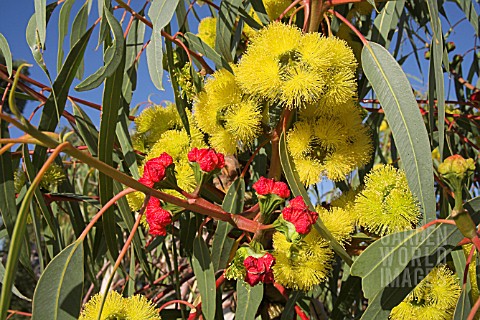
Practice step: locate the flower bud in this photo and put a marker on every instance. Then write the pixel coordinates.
(270, 195)
(207, 159)
(299, 215)
(455, 168)
(157, 218)
(259, 269)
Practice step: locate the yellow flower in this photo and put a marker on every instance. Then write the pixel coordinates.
(386, 204)
(222, 112)
(139, 307)
(275, 8)
(472, 270)
(283, 65)
(135, 200)
(52, 177)
(207, 30)
(435, 297)
(330, 145)
(303, 265)
(339, 222)
(114, 307)
(346, 200)
(155, 120)
(119, 308)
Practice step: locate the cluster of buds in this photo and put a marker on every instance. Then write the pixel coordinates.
(298, 214)
(207, 159)
(252, 266)
(259, 269)
(157, 218)
(155, 169)
(455, 170)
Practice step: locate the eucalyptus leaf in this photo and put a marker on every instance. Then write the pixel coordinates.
(401, 110)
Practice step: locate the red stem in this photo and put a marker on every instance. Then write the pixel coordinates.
(351, 26)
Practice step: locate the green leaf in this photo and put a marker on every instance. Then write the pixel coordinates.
(289, 310)
(138, 238)
(112, 100)
(86, 130)
(63, 21)
(386, 258)
(5, 50)
(41, 19)
(436, 90)
(14, 289)
(226, 20)
(46, 213)
(401, 110)
(134, 44)
(468, 8)
(8, 207)
(298, 189)
(79, 27)
(260, 11)
(464, 305)
(227, 16)
(51, 114)
(203, 270)
(201, 47)
(248, 300)
(160, 13)
(232, 203)
(58, 294)
(180, 102)
(113, 56)
(386, 23)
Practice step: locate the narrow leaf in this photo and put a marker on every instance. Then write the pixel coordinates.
(113, 56)
(222, 245)
(160, 13)
(436, 90)
(63, 21)
(464, 305)
(112, 100)
(386, 23)
(401, 110)
(79, 27)
(289, 310)
(227, 16)
(468, 8)
(248, 300)
(51, 115)
(387, 257)
(198, 45)
(41, 19)
(58, 295)
(203, 270)
(298, 189)
(14, 289)
(5, 50)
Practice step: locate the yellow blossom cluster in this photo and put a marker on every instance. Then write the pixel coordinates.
(386, 204)
(435, 297)
(117, 307)
(171, 138)
(301, 265)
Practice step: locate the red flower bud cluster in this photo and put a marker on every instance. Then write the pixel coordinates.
(157, 218)
(298, 213)
(266, 186)
(208, 159)
(259, 269)
(154, 169)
